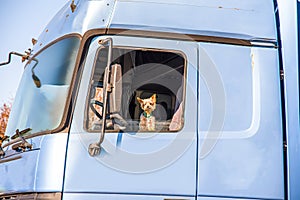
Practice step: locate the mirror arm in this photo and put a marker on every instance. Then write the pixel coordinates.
(95, 148)
(24, 57)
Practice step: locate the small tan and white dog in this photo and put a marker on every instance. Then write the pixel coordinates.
(147, 120)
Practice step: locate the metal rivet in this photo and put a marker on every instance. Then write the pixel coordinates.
(33, 41)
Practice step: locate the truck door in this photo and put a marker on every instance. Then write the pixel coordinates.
(135, 163)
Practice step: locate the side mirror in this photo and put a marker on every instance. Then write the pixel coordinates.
(112, 82)
(116, 91)
(95, 148)
(112, 94)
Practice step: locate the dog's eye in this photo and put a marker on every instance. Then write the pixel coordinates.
(151, 104)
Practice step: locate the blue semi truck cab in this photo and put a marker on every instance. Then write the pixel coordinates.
(226, 80)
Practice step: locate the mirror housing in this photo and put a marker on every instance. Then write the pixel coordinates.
(116, 90)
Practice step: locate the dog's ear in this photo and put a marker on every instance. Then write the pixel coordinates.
(153, 98)
(139, 100)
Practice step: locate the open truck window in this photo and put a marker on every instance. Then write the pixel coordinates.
(145, 73)
(44, 88)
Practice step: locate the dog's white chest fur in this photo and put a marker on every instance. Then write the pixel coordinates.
(147, 123)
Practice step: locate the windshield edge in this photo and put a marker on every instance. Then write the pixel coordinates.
(63, 124)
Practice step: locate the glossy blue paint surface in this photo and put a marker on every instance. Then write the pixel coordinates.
(245, 158)
(252, 20)
(39, 170)
(288, 30)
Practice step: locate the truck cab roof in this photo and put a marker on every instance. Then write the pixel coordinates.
(245, 20)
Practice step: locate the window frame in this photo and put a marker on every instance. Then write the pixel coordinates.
(180, 53)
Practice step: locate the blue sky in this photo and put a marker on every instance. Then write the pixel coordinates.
(20, 20)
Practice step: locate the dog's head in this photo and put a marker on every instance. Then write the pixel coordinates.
(148, 105)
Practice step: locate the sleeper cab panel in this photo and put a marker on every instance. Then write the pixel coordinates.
(242, 154)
